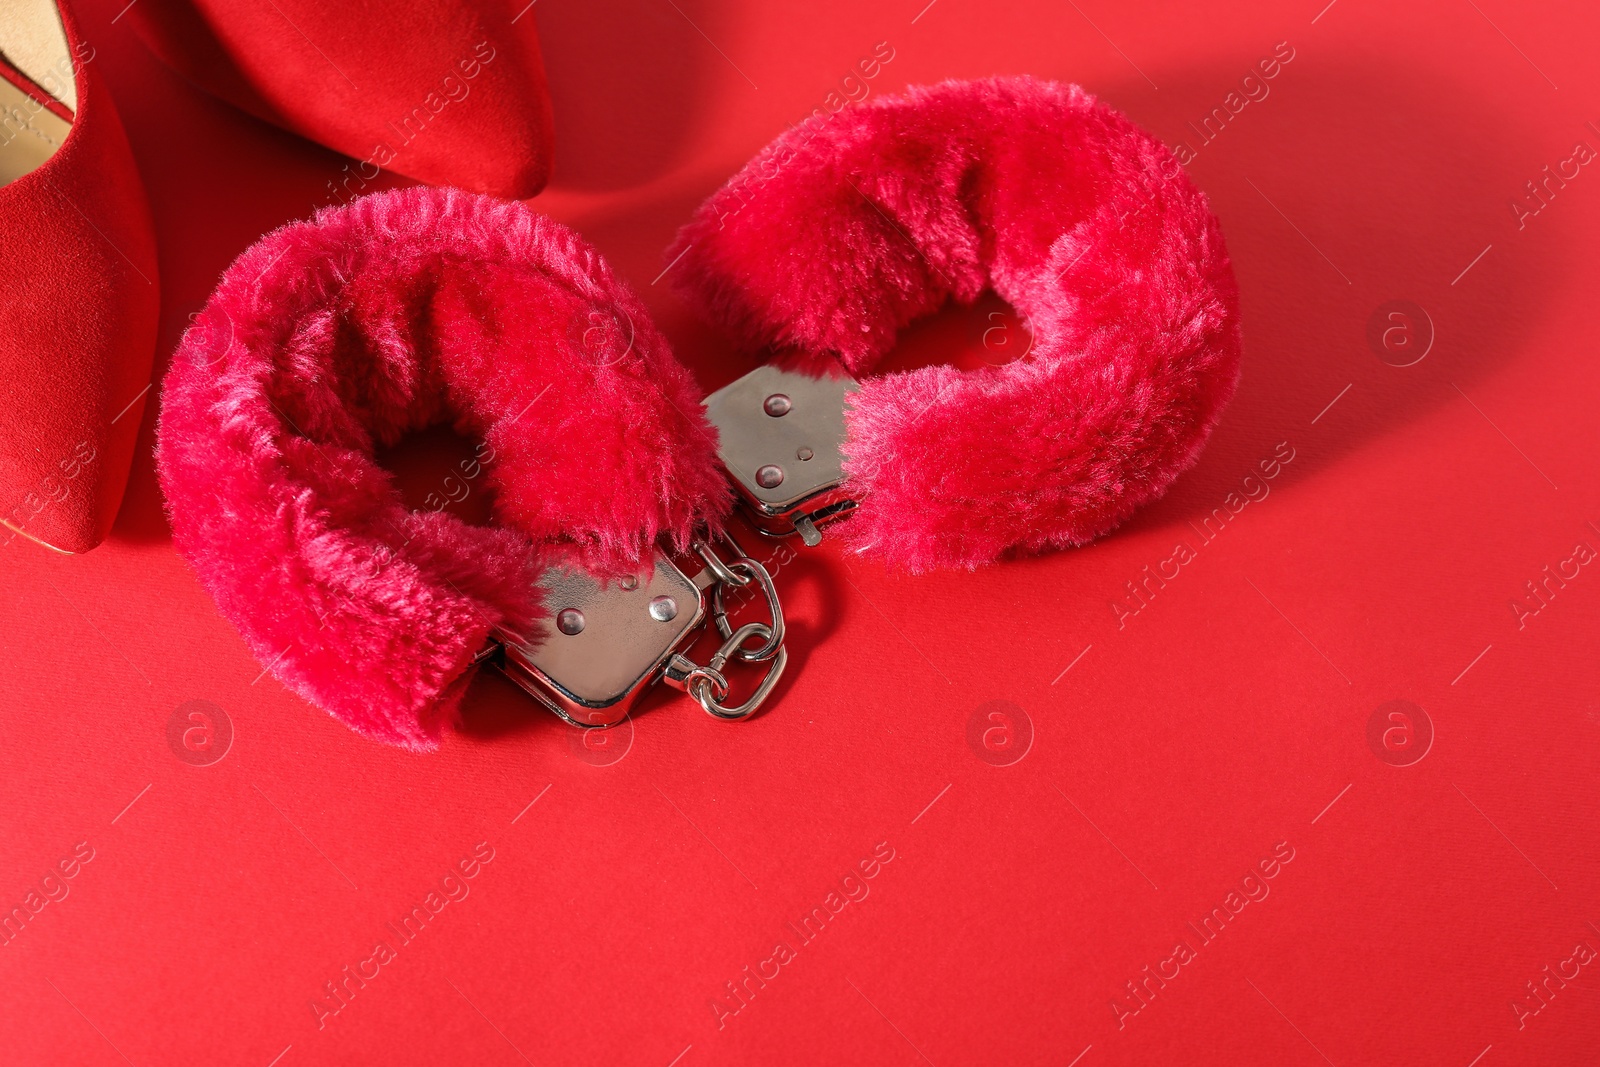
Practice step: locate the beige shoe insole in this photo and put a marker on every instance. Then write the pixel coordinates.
(34, 43)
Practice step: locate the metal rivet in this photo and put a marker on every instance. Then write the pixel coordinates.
(663, 608)
(630, 583)
(770, 476)
(777, 405)
(803, 453)
(570, 621)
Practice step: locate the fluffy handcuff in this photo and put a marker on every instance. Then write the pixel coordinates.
(611, 477)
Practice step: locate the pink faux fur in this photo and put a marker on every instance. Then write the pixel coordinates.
(401, 310)
(849, 226)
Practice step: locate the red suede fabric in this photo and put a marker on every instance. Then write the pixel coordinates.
(1177, 699)
(848, 227)
(376, 82)
(77, 325)
(400, 311)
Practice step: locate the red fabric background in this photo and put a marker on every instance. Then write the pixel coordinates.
(1178, 750)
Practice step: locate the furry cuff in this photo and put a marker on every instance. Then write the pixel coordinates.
(402, 310)
(849, 226)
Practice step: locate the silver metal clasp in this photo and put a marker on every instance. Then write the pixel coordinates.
(606, 644)
(707, 684)
(782, 434)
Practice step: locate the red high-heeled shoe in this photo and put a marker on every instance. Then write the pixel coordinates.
(450, 92)
(79, 302)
